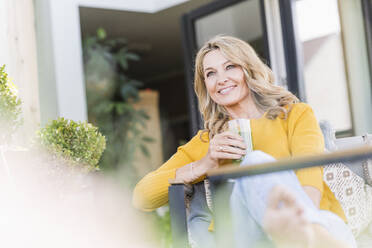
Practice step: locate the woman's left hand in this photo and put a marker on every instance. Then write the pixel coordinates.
(226, 145)
(314, 194)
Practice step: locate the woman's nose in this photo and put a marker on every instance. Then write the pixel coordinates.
(222, 78)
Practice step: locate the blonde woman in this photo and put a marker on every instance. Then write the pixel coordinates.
(231, 82)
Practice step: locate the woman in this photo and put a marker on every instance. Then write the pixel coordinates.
(231, 82)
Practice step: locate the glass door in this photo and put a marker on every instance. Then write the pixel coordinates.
(244, 19)
(323, 55)
(324, 64)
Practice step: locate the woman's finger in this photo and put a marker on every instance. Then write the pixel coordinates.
(225, 155)
(231, 149)
(231, 135)
(228, 139)
(233, 143)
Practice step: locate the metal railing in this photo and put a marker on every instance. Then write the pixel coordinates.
(221, 190)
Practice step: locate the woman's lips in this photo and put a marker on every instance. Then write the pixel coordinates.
(226, 90)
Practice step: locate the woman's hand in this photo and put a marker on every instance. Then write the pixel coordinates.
(314, 194)
(226, 145)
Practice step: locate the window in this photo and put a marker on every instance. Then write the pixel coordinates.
(324, 65)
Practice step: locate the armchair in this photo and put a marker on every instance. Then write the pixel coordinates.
(179, 193)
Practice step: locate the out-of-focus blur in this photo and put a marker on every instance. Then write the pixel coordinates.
(46, 206)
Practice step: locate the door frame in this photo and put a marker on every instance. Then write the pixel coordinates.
(367, 16)
(292, 49)
(190, 48)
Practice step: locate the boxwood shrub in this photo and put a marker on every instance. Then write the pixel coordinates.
(78, 143)
(10, 107)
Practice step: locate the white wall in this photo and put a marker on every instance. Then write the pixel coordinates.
(62, 91)
(18, 52)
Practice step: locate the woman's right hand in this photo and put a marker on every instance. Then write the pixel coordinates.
(226, 145)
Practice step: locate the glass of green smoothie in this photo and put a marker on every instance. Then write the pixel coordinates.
(243, 128)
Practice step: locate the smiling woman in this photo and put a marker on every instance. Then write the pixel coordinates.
(231, 82)
(237, 63)
(225, 82)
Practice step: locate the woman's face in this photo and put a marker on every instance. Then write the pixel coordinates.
(224, 80)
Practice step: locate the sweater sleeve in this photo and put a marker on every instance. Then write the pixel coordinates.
(151, 191)
(306, 139)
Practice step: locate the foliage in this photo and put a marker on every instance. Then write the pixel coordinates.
(111, 96)
(76, 142)
(10, 107)
(163, 228)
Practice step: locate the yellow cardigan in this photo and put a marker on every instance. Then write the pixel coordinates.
(297, 135)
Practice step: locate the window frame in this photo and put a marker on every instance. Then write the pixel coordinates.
(189, 44)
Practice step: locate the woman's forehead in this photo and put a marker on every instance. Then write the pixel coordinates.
(214, 58)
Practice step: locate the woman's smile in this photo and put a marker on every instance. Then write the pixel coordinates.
(224, 80)
(226, 90)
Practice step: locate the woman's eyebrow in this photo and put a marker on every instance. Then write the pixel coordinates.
(227, 61)
(211, 68)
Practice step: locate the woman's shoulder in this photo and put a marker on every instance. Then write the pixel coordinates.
(297, 111)
(197, 147)
(299, 108)
(201, 136)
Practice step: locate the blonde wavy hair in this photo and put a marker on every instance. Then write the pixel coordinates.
(270, 99)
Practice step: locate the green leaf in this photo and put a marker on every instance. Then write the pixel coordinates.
(123, 51)
(121, 41)
(136, 83)
(132, 56)
(143, 114)
(101, 34)
(148, 139)
(111, 43)
(145, 151)
(123, 62)
(89, 42)
(127, 91)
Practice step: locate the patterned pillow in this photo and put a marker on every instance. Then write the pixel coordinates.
(351, 190)
(354, 195)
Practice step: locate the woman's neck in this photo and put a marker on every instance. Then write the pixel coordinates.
(244, 110)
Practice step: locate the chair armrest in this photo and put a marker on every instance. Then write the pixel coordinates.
(350, 155)
(177, 192)
(220, 193)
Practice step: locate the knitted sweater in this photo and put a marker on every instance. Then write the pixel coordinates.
(299, 134)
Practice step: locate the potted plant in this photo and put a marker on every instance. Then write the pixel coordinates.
(10, 116)
(111, 96)
(10, 108)
(68, 153)
(77, 144)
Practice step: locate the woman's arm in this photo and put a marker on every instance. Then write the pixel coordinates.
(151, 191)
(306, 138)
(190, 163)
(226, 145)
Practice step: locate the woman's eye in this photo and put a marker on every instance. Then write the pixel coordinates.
(210, 73)
(230, 67)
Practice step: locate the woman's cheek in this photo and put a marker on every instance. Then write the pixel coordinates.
(211, 87)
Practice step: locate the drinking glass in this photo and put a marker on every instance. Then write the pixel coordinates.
(243, 128)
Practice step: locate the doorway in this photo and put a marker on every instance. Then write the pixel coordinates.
(156, 38)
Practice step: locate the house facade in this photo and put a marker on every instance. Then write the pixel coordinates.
(320, 50)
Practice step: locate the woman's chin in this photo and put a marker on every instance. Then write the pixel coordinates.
(228, 103)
